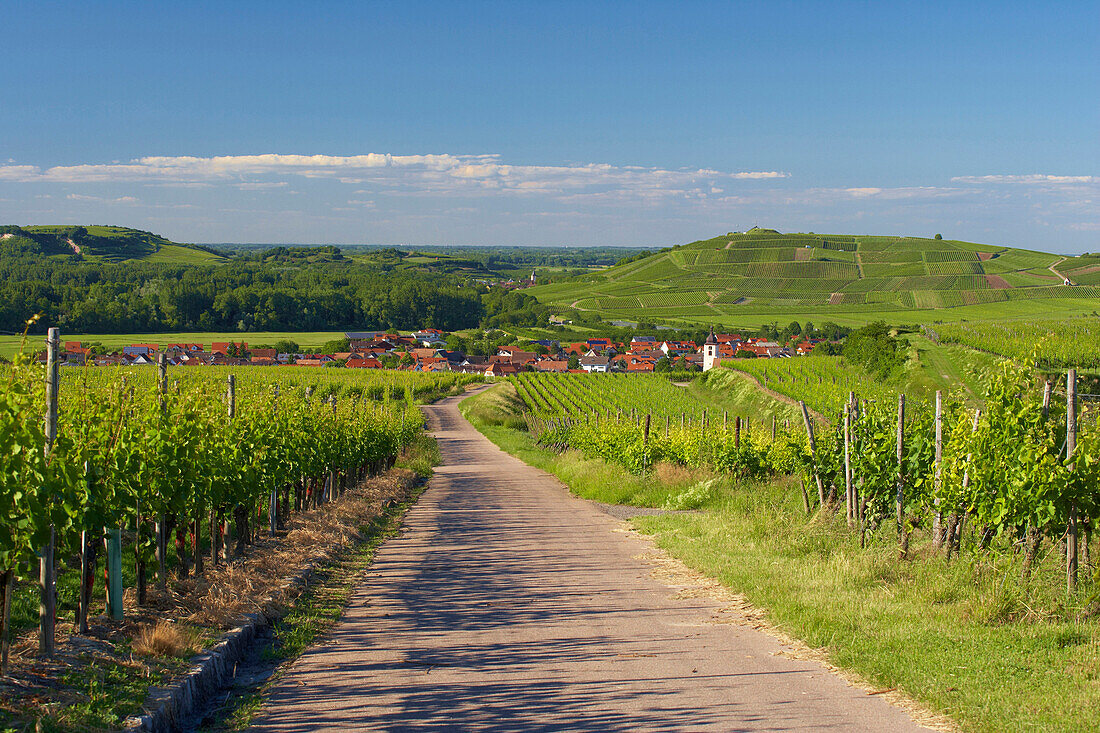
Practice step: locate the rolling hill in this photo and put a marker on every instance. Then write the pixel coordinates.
(105, 243)
(762, 276)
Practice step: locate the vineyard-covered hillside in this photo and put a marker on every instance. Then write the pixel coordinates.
(760, 277)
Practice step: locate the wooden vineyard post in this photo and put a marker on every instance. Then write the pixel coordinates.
(217, 524)
(813, 452)
(773, 428)
(954, 530)
(725, 421)
(1046, 399)
(273, 497)
(89, 546)
(7, 585)
(645, 442)
(702, 436)
(1071, 447)
(668, 420)
(902, 539)
(857, 501)
(737, 433)
(47, 571)
(161, 528)
(196, 541)
(848, 503)
(937, 475)
(331, 490)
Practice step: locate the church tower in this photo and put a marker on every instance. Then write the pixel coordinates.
(710, 351)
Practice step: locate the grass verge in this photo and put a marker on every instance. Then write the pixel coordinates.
(968, 638)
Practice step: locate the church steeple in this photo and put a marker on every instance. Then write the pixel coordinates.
(710, 351)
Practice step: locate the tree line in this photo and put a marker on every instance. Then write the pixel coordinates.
(244, 295)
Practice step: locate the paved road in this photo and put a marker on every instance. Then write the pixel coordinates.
(507, 604)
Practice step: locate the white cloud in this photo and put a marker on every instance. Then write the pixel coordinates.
(1030, 178)
(101, 200)
(431, 174)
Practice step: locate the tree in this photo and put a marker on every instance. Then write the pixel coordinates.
(574, 361)
(939, 236)
(286, 346)
(335, 346)
(406, 360)
(457, 343)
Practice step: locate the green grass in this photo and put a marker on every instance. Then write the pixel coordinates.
(733, 392)
(177, 255)
(943, 367)
(9, 345)
(117, 244)
(965, 638)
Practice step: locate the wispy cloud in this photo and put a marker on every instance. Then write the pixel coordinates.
(433, 174)
(1029, 178)
(486, 199)
(101, 199)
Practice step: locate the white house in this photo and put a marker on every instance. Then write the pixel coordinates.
(593, 364)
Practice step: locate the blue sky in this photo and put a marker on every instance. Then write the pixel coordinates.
(554, 123)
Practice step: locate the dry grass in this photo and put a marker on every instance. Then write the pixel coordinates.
(166, 639)
(673, 474)
(260, 581)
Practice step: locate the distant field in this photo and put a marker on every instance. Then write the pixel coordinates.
(112, 244)
(9, 345)
(761, 276)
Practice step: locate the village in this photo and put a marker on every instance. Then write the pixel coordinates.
(427, 350)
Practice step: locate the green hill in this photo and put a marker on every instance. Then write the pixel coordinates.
(762, 276)
(106, 243)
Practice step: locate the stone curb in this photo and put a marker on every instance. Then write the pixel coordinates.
(166, 708)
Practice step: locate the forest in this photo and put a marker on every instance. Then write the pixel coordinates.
(254, 293)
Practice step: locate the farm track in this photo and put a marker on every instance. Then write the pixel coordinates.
(507, 604)
(1061, 277)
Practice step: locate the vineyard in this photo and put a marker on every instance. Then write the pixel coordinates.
(822, 382)
(207, 455)
(1025, 466)
(559, 395)
(1045, 343)
(818, 276)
